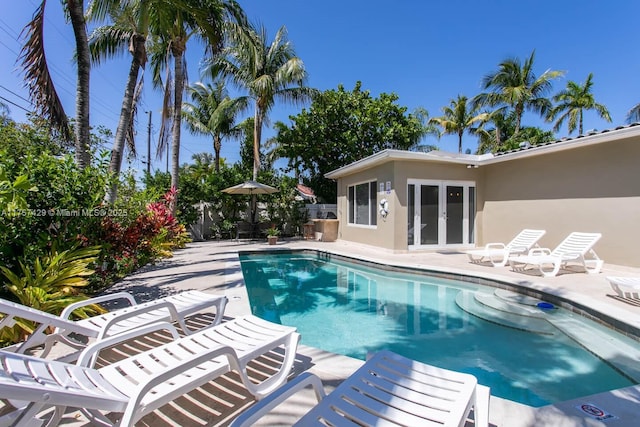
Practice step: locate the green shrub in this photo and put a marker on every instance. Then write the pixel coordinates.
(50, 283)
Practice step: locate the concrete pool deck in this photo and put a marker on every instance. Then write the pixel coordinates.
(214, 267)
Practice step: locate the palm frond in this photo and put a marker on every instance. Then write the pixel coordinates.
(108, 42)
(166, 122)
(130, 135)
(37, 76)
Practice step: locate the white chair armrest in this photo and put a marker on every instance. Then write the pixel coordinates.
(571, 255)
(136, 311)
(250, 416)
(88, 356)
(97, 300)
(481, 408)
(495, 246)
(540, 251)
(518, 249)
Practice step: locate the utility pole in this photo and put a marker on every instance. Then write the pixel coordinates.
(149, 145)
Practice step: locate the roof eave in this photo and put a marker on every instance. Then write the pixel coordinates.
(389, 155)
(569, 144)
(629, 131)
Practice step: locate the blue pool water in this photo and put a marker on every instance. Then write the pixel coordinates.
(352, 309)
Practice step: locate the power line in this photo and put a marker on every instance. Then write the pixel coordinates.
(15, 94)
(13, 103)
(9, 49)
(7, 29)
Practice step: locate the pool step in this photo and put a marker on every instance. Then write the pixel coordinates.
(516, 298)
(484, 305)
(620, 354)
(521, 312)
(509, 306)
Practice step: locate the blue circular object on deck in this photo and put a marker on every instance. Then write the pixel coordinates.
(545, 305)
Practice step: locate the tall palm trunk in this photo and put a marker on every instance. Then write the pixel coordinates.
(519, 112)
(460, 133)
(217, 146)
(178, 47)
(257, 135)
(76, 15)
(580, 130)
(137, 62)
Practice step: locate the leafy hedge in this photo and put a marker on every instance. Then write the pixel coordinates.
(58, 240)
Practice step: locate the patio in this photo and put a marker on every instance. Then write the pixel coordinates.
(214, 267)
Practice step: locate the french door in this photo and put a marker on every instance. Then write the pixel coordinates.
(440, 213)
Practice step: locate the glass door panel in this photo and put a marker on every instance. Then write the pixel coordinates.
(429, 214)
(411, 214)
(472, 214)
(454, 214)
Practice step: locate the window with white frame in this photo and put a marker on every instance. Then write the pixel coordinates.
(362, 203)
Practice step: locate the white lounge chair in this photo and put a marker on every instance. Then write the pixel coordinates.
(576, 248)
(498, 253)
(625, 287)
(387, 390)
(139, 384)
(173, 308)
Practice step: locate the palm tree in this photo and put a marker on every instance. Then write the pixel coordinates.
(516, 85)
(212, 112)
(4, 112)
(177, 23)
(634, 114)
(127, 32)
(491, 140)
(39, 82)
(202, 167)
(459, 117)
(266, 70)
(428, 128)
(572, 102)
(502, 136)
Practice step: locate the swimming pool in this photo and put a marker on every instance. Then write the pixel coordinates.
(352, 309)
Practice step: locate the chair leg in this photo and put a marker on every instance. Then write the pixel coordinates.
(97, 418)
(28, 415)
(597, 266)
(554, 272)
(475, 260)
(500, 262)
(516, 265)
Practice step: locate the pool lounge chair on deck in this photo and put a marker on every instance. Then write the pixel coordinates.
(576, 248)
(139, 384)
(387, 390)
(625, 287)
(173, 308)
(498, 253)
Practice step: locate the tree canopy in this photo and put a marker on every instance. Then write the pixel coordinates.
(339, 128)
(516, 85)
(460, 117)
(571, 104)
(269, 71)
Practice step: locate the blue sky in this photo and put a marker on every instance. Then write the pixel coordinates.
(427, 52)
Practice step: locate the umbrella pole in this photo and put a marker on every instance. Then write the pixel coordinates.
(254, 209)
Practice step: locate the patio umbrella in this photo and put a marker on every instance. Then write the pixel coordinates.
(250, 187)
